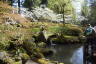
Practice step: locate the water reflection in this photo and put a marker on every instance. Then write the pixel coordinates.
(69, 54)
(77, 57)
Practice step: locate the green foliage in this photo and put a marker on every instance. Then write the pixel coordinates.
(57, 5)
(44, 2)
(67, 33)
(35, 30)
(37, 3)
(31, 3)
(92, 17)
(74, 17)
(53, 29)
(85, 9)
(71, 30)
(28, 4)
(74, 31)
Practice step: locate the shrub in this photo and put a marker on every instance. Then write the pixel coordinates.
(75, 31)
(71, 30)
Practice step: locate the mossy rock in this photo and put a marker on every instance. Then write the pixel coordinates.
(47, 52)
(66, 40)
(73, 39)
(41, 44)
(25, 56)
(43, 61)
(40, 37)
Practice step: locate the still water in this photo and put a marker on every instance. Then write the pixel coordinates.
(68, 54)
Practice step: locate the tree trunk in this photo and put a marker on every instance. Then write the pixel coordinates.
(63, 12)
(19, 6)
(11, 2)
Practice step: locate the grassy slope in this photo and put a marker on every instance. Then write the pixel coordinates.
(10, 32)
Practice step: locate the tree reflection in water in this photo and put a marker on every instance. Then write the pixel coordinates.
(69, 54)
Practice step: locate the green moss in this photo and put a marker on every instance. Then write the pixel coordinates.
(72, 38)
(53, 29)
(17, 63)
(41, 44)
(71, 30)
(35, 30)
(66, 39)
(25, 56)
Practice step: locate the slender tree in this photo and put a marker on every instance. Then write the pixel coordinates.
(63, 12)
(19, 6)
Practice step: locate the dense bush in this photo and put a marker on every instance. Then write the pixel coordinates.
(74, 31)
(71, 30)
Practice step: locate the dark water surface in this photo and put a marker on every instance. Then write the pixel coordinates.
(69, 54)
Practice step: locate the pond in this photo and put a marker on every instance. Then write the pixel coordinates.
(68, 54)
